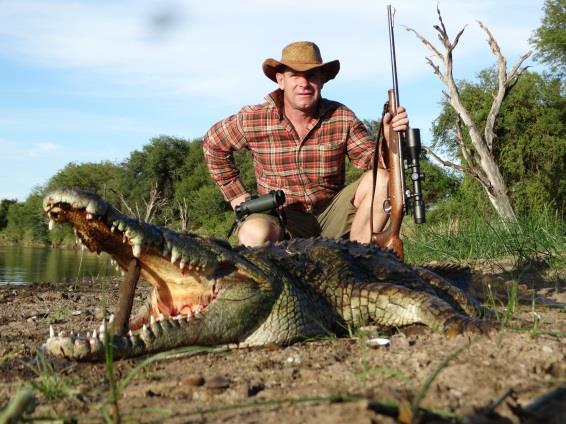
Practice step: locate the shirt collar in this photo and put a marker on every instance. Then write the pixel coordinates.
(275, 100)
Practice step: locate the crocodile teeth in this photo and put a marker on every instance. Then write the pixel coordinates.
(182, 264)
(130, 333)
(89, 216)
(151, 320)
(51, 224)
(111, 319)
(51, 331)
(174, 256)
(102, 328)
(161, 317)
(136, 250)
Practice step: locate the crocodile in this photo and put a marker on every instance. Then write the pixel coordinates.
(206, 292)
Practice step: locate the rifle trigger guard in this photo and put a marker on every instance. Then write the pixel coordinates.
(387, 206)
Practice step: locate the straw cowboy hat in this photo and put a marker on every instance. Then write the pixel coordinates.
(301, 56)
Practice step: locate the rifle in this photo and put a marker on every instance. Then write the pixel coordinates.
(397, 203)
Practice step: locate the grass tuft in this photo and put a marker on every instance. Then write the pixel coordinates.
(48, 382)
(477, 238)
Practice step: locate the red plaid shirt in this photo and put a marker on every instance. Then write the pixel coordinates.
(310, 171)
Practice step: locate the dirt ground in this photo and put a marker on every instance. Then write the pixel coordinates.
(515, 375)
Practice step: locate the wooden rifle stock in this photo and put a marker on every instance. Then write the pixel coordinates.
(395, 205)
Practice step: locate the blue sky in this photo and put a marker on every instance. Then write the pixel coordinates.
(87, 81)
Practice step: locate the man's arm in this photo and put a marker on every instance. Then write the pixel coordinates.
(219, 145)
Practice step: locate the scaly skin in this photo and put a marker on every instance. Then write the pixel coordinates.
(208, 293)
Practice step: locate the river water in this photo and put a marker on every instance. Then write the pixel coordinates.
(27, 265)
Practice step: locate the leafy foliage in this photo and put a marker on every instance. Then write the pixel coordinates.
(550, 38)
(4, 206)
(26, 220)
(96, 177)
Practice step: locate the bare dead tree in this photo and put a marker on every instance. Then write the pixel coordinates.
(155, 202)
(480, 161)
(131, 211)
(151, 205)
(183, 209)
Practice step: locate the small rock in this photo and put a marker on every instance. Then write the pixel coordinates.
(75, 313)
(293, 360)
(193, 380)
(255, 388)
(378, 342)
(151, 393)
(557, 369)
(100, 313)
(547, 349)
(217, 384)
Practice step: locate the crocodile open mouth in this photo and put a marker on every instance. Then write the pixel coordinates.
(187, 275)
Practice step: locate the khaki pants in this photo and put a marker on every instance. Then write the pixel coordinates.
(334, 222)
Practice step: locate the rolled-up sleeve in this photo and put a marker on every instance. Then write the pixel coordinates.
(219, 145)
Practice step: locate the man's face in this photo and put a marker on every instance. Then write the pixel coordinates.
(301, 89)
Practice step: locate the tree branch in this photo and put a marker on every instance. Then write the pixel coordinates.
(426, 43)
(504, 83)
(124, 202)
(437, 158)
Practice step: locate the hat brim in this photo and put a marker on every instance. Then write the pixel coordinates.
(329, 69)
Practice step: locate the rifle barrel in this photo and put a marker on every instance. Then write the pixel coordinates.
(390, 17)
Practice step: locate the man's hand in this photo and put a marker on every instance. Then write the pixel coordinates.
(400, 122)
(237, 200)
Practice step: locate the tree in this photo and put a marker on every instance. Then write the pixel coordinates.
(478, 153)
(153, 173)
(101, 178)
(550, 38)
(4, 206)
(26, 220)
(531, 138)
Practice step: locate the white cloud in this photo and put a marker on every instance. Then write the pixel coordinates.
(208, 48)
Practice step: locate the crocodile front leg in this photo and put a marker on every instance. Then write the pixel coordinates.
(393, 305)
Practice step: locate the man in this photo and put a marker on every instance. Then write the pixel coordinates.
(299, 142)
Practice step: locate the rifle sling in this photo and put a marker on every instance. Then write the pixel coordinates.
(379, 149)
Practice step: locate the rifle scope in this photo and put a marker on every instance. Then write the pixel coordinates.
(413, 145)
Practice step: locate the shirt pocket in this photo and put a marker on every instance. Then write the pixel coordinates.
(323, 163)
